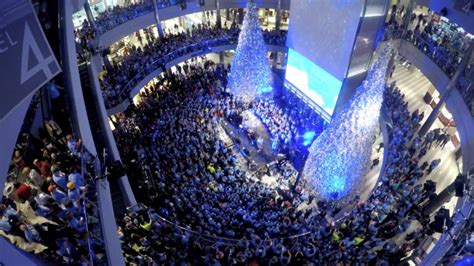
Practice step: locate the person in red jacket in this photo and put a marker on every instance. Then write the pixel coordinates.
(23, 191)
(43, 166)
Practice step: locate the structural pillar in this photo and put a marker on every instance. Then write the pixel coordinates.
(89, 15)
(221, 57)
(406, 19)
(107, 63)
(72, 79)
(157, 19)
(451, 85)
(240, 16)
(278, 16)
(218, 14)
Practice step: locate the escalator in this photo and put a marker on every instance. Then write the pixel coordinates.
(98, 133)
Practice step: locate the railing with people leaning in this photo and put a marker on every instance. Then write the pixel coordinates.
(196, 49)
(121, 14)
(90, 210)
(447, 63)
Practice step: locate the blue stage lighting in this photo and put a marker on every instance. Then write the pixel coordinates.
(465, 261)
(308, 137)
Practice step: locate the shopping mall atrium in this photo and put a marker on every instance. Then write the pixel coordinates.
(237, 132)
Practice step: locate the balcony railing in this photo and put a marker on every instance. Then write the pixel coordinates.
(447, 62)
(204, 46)
(118, 15)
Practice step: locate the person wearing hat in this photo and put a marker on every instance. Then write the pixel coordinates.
(59, 178)
(76, 178)
(73, 192)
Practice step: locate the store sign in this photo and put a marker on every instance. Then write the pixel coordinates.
(26, 60)
(464, 5)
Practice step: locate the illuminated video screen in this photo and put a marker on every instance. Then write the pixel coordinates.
(311, 82)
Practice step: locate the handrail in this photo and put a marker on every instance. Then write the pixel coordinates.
(84, 165)
(144, 8)
(162, 60)
(429, 50)
(84, 202)
(460, 217)
(161, 5)
(224, 239)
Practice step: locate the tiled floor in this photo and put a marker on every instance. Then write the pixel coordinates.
(414, 85)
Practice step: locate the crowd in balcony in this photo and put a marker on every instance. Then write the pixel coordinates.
(49, 205)
(113, 17)
(120, 14)
(138, 62)
(441, 41)
(203, 208)
(466, 88)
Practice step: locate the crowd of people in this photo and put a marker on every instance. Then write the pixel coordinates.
(138, 62)
(446, 47)
(119, 14)
(204, 208)
(288, 122)
(49, 205)
(466, 88)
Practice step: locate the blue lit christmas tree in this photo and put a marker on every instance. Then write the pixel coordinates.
(250, 71)
(338, 160)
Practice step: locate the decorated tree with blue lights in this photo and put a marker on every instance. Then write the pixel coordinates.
(250, 74)
(339, 159)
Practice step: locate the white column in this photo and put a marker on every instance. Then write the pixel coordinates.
(72, 79)
(157, 18)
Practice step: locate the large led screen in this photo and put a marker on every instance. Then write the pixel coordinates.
(324, 31)
(313, 81)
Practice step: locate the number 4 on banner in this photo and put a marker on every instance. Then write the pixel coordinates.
(467, 7)
(29, 42)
